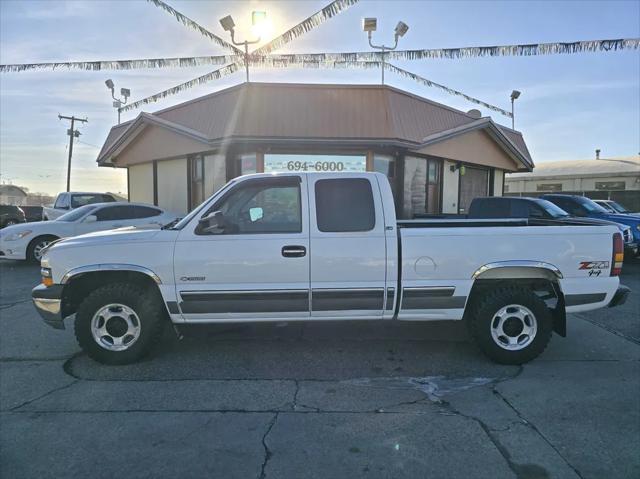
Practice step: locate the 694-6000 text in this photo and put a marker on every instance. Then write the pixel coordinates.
(317, 166)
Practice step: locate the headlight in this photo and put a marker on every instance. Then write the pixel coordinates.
(17, 236)
(638, 226)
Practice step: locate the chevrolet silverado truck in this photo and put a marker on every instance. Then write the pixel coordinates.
(326, 246)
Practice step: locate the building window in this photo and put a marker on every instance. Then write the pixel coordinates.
(549, 187)
(610, 185)
(422, 186)
(247, 164)
(277, 163)
(196, 181)
(386, 164)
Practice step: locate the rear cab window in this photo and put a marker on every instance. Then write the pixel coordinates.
(344, 205)
(82, 200)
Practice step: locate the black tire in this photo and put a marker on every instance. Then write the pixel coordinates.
(483, 319)
(32, 248)
(148, 307)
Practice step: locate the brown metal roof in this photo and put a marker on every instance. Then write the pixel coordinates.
(314, 112)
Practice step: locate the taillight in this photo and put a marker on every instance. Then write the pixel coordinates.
(618, 255)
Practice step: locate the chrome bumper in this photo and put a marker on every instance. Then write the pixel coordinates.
(48, 302)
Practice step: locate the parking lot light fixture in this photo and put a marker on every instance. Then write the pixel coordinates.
(229, 26)
(370, 25)
(515, 94)
(118, 102)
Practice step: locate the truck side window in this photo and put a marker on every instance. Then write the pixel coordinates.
(344, 205)
(262, 207)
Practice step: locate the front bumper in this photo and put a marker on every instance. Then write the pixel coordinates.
(620, 296)
(12, 250)
(48, 302)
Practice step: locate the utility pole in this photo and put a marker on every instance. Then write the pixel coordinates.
(72, 134)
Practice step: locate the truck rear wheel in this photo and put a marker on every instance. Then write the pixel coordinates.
(511, 325)
(119, 323)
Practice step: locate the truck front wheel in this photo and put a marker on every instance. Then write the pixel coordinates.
(511, 325)
(119, 323)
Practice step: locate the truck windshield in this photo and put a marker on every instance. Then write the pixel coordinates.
(618, 207)
(591, 206)
(77, 213)
(551, 209)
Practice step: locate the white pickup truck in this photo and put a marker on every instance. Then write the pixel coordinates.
(68, 201)
(319, 246)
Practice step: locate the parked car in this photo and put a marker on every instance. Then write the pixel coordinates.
(72, 200)
(541, 212)
(615, 207)
(32, 213)
(322, 246)
(11, 215)
(584, 207)
(27, 241)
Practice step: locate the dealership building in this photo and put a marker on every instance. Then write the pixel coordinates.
(598, 178)
(437, 158)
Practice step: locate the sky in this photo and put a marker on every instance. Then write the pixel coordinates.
(570, 104)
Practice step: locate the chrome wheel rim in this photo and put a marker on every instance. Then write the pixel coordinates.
(37, 250)
(513, 327)
(11, 223)
(115, 327)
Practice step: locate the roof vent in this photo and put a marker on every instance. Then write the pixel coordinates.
(598, 154)
(474, 113)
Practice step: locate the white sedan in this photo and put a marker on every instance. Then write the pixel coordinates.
(27, 240)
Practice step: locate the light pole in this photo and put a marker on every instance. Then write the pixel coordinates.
(514, 96)
(369, 25)
(229, 26)
(118, 102)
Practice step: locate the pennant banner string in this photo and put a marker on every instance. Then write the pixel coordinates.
(178, 62)
(331, 10)
(263, 58)
(196, 26)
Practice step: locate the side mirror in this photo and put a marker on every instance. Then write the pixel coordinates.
(256, 214)
(213, 223)
(90, 219)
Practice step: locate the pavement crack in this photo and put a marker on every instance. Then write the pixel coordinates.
(294, 405)
(11, 305)
(538, 432)
(26, 403)
(609, 329)
(267, 451)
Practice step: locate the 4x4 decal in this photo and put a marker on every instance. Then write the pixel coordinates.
(594, 267)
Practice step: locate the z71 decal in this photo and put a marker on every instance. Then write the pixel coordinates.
(594, 267)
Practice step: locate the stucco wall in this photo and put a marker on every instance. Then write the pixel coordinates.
(172, 185)
(155, 143)
(475, 147)
(141, 183)
(215, 173)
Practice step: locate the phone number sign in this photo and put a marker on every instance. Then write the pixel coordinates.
(303, 163)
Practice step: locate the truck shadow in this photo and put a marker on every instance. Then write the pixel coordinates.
(303, 351)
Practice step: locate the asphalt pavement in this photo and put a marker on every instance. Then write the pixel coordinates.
(325, 399)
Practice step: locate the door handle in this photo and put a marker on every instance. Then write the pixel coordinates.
(294, 251)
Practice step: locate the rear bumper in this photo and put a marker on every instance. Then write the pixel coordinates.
(620, 296)
(48, 303)
(631, 248)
